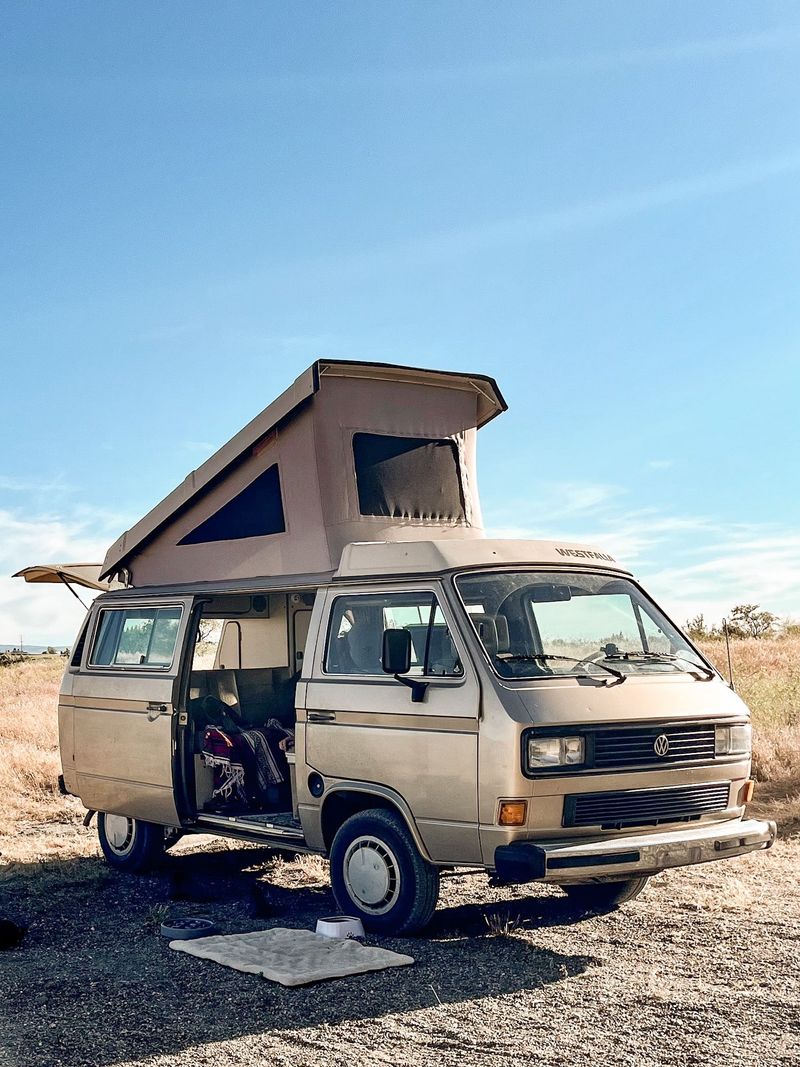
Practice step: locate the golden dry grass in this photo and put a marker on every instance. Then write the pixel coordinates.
(29, 764)
(767, 674)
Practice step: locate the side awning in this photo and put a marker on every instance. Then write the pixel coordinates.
(86, 575)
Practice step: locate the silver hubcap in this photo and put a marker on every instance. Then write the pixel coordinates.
(372, 875)
(119, 833)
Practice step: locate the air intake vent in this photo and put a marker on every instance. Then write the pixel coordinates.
(645, 807)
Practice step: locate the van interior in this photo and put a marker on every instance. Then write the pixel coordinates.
(247, 659)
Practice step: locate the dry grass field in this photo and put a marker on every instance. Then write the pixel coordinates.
(766, 672)
(702, 969)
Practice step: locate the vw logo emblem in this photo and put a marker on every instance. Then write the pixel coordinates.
(661, 745)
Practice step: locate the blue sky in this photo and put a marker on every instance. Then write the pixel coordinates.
(599, 204)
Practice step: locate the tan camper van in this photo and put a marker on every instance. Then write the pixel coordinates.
(314, 646)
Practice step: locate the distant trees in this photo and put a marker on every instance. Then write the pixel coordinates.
(744, 620)
(747, 621)
(697, 629)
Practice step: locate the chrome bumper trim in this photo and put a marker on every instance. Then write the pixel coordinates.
(616, 857)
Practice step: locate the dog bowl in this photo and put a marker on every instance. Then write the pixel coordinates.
(185, 929)
(340, 926)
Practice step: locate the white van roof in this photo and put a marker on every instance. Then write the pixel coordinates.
(374, 559)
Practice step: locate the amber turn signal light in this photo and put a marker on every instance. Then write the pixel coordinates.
(746, 792)
(513, 813)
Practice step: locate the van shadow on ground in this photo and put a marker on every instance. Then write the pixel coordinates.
(94, 983)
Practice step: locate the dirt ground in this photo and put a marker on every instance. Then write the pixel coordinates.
(704, 968)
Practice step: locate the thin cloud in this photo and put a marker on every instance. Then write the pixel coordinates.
(24, 485)
(712, 565)
(579, 64)
(46, 614)
(445, 246)
(776, 40)
(609, 209)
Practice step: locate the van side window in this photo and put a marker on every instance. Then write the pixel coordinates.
(135, 637)
(355, 634)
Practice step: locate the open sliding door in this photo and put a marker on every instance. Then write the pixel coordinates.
(123, 708)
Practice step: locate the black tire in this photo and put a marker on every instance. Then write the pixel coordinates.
(130, 844)
(378, 875)
(604, 896)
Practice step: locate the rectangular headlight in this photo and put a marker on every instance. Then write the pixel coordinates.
(733, 740)
(555, 751)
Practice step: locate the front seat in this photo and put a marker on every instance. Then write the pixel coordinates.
(364, 647)
(228, 692)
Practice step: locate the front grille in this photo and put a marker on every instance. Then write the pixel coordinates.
(626, 747)
(645, 807)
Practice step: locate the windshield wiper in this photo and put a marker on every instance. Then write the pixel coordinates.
(543, 657)
(670, 657)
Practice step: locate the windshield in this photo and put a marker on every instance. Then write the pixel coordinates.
(539, 624)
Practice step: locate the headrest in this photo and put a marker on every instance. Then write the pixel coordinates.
(226, 688)
(487, 631)
(364, 641)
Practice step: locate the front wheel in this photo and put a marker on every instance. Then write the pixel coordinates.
(378, 875)
(604, 896)
(129, 844)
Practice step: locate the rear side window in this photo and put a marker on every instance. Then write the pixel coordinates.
(135, 637)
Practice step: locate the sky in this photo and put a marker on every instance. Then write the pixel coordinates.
(598, 204)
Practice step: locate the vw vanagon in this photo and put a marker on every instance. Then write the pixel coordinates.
(312, 644)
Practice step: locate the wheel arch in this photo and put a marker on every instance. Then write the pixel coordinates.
(348, 798)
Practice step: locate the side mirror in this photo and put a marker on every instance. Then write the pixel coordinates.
(396, 655)
(396, 660)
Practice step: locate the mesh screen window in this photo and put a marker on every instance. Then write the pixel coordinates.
(408, 477)
(256, 512)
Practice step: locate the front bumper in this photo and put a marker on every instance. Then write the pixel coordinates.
(621, 857)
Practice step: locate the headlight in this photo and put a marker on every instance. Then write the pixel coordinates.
(733, 740)
(555, 751)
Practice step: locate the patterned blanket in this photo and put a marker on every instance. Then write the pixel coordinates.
(244, 763)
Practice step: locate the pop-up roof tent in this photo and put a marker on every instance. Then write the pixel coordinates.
(350, 452)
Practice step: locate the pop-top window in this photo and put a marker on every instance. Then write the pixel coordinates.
(255, 512)
(136, 637)
(408, 477)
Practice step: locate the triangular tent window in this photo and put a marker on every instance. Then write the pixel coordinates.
(255, 512)
(408, 477)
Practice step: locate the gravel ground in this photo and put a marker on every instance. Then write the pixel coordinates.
(704, 968)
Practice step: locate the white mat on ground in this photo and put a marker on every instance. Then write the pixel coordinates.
(292, 957)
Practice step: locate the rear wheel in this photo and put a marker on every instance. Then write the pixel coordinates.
(604, 896)
(129, 844)
(378, 875)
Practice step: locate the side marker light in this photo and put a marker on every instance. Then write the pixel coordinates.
(513, 813)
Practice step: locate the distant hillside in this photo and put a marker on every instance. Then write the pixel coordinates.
(32, 649)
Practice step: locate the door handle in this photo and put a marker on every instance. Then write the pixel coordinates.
(154, 710)
(321, 716)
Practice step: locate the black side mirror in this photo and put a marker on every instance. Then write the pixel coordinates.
(396, 660)
(396, 656)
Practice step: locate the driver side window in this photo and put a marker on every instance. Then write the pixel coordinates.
(355, 634)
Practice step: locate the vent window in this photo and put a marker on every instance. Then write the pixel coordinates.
(408, 477)
(256, 512)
